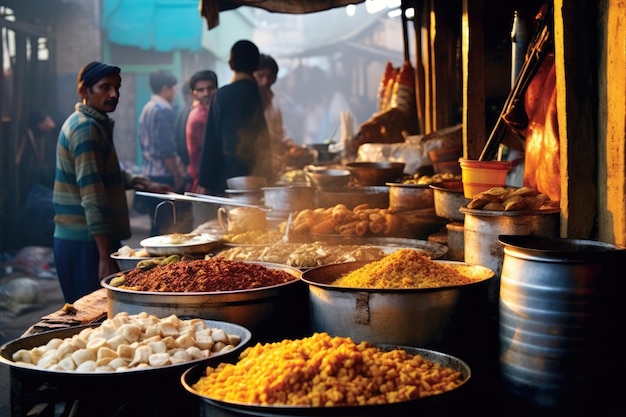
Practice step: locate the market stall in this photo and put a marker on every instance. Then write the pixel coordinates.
(483, 344)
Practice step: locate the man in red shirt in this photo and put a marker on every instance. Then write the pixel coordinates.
(203, 84)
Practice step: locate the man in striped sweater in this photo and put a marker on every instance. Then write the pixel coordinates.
(91, 213)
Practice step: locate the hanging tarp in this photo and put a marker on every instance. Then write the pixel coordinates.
(210, 9)
(162, 25)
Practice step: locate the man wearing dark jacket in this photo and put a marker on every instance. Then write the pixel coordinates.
(236, 137)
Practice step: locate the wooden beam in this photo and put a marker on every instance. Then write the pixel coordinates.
(420, 81)
(612, 122)
(574, 45)
(473, 64)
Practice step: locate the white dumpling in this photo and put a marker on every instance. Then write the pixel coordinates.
(83, 355)
(159, 359)
(87, 366)
(131, 332)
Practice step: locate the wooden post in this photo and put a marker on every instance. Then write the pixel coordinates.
(473, 64)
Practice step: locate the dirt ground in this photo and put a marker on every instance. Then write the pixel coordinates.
(47, 298)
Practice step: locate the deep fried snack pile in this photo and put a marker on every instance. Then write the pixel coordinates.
(511, 199)
(406, 268)
(202, 275)
(325, 371)
(363, 220)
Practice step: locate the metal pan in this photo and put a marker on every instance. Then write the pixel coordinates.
(201, 198)
(39, 339)
(189, 244)
(432, 249)
(413, 407)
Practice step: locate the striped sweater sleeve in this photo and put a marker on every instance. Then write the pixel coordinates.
(89, 193)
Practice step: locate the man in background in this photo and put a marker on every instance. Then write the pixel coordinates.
(236, 141)
(180, 124)
(203, 85)
(285, 151)
(161, 162)
(91, 213)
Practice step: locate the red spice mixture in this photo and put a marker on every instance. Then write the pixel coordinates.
(205, 275)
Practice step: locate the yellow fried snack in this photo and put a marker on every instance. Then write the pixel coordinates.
(325, 371)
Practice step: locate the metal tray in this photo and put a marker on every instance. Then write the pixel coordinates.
(412, 407)
(29, 342)
(280, 252)
(193, 244)
(432, 249)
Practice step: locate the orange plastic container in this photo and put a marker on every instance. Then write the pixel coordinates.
(478, 176)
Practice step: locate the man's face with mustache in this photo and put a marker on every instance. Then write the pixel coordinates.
(103, 95)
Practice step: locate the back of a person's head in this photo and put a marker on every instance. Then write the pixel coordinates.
(204, 75)
(244, 56)
(160, 79)
(267, 62)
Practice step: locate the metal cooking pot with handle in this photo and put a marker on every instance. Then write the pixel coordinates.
(287, 199)
(444, 317)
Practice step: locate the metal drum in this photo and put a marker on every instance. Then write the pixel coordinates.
(560, 320)
(481, 231)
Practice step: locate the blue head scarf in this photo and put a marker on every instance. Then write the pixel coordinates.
(93, 72)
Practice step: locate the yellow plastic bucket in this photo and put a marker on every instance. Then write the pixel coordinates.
(478, 176)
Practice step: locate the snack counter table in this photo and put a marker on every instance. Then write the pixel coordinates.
(33, 394)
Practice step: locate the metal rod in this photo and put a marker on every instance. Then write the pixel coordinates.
(202, 198)
(529, 69)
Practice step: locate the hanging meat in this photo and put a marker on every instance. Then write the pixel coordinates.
(542, 166)
(397, 118)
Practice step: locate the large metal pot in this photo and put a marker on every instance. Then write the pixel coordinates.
(403, 197)
(561, 314)
(448, 198)
(287, 199)
(375, 196)
(443, 317)
(482, 228)
(270, 313)
(441, 404)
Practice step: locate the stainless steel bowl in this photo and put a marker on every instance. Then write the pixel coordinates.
(329, 177)
(376, 173)
(246, 183)
(125, 263)
(403, 197)
(448, 198)
(270, 313)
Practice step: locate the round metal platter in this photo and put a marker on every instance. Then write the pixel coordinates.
(282, 252)
(29, 342)
(181, 244)
(411, 407)
(432, 249)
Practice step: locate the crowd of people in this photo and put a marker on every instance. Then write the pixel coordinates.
(221, 132)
